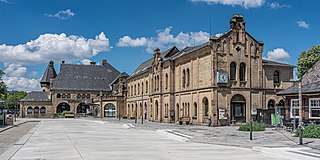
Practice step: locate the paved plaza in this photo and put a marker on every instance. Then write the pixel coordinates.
(112, 139)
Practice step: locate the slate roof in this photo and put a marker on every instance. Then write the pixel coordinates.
(36, 96)
(49, 73)
(145, 66)
(123, 74)
(307, 88)
(274, 63)
(85, 77)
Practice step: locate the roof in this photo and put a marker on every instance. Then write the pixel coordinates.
(307, 88)
(274, 63)
(146, 65)
(36, 96)
(85, 77)
(310, 82)
(49, 73)
(123, 74)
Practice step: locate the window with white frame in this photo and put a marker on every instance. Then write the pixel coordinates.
(294, 110)
(314, 108)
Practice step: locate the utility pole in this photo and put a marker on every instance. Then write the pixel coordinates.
(300, 112)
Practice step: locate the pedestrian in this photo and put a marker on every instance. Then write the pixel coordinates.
(145, 114)
(210, 121)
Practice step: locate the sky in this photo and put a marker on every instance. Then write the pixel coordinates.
(125, 32)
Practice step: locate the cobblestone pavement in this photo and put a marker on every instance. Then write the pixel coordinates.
(228, 135)
(9, 137)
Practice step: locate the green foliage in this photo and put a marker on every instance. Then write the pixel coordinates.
(9, 96)
(310, 131)
(255, 127)
(307, 59)
(3, 88)
(67, 112)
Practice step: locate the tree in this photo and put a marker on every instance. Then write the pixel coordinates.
(10, 98)
(3, 88)
(307, 59)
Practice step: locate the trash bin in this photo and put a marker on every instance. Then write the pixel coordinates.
(9, 120)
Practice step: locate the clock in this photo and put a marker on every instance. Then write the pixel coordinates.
(222, 77)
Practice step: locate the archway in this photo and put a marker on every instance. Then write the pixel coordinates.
(83, 108)
(63, 107)
(238, 108)
(271, 104)
(156, 110)
(109, 110)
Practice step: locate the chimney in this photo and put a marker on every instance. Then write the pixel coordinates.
(92, 63)
(104, 62)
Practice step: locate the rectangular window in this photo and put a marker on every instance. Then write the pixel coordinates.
(294, 109)
(314, 108)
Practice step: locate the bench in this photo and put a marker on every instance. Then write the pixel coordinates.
(68, 115)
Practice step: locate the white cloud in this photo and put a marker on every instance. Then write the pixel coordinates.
(303, 24)
(276, 5)
(278, 54)
(55, 47)
(63, 14)
(218, 35)
(165, 39)
(243, 3)
(16, 70)
(86, 61)
(21, 83)
(127, 41)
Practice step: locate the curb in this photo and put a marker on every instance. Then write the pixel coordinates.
(16, 125)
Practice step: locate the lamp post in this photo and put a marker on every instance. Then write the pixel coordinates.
(300, 112)
(15, 106)
(250, 85)
(142, 108)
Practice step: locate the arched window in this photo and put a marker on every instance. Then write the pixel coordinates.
(167, 79)
(88, 96)
(147, 86)
(276, 77)
(184, 78)
(78, 96)
(64, 95)
(156, 109)
(142, 88)
(195, 112)
(68, 95)
(29, 110)
(84, 96)
(233, 71)
(43, 109)
(36, 109)
(135, 90)
(188, 77)
(205, 104)
(158, 81)
(131, 90)
(58, 95)
(242, 73)
(138, 88)
(188, 109)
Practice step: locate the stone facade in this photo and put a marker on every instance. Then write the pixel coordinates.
(210, 82)
(82, 89)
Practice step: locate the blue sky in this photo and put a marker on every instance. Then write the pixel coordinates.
(32, 32)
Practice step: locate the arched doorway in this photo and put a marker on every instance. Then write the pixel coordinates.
(281, 107)
(238, 108)
(271, 104)
(83, 108)
(63, 107)
(109, 110)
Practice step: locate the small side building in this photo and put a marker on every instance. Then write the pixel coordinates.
(310, 97)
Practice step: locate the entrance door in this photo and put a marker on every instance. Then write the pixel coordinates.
(63, 107)
(109, 110)
(238, 109)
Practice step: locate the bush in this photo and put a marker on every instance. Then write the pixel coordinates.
(67, 112)
(255, 127)
(310, 131)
